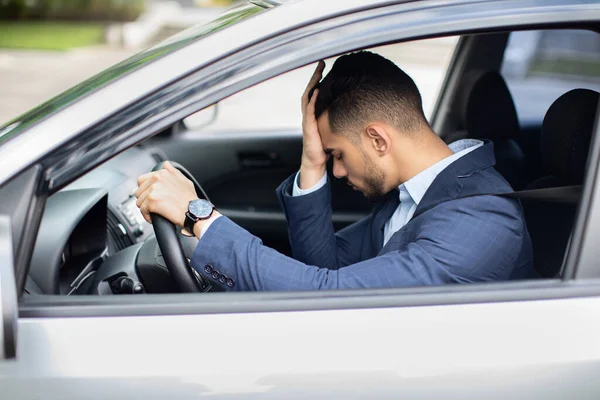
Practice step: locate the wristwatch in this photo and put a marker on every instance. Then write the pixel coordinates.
(197, 210)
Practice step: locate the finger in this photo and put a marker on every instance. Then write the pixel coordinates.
(316, 77)
(142, 198)
(144, 187)
(147, 204)
(145, 212)
(310, 109)
(143, 178)
(169, 167)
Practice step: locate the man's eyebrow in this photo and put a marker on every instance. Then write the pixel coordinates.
(328, 150)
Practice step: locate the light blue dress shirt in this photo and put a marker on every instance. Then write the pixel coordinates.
(411, 191)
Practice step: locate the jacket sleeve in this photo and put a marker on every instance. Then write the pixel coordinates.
(310, 227)
(467, 240)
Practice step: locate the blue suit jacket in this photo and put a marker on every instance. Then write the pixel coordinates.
(452, 237)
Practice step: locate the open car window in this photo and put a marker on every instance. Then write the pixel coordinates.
(254, 164)
(240, 175)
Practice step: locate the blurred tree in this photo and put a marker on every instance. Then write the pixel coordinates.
(214, 3)
(72, 10)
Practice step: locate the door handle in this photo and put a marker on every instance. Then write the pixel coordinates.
(258, 160)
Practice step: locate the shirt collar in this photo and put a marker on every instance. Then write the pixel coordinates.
(417, 185)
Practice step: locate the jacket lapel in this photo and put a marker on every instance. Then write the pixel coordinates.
(448, 186)
(384, 213)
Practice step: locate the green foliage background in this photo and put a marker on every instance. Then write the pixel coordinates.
(71, 10)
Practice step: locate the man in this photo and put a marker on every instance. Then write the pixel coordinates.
(438, 223)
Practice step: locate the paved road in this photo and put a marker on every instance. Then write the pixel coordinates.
(27, 78)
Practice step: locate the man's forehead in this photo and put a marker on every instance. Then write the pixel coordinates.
(324, 130)
(323, 122)
(329, 141)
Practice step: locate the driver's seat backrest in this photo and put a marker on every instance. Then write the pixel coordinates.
(565, 142)
(489, 113)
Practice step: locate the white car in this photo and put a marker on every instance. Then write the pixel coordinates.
(90, 309)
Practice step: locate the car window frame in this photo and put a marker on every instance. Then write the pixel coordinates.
(581, 259)
(134, 133)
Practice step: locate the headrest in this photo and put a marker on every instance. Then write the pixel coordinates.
(567, 134)
(489, 111)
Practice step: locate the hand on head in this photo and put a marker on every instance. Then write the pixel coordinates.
(314, 158)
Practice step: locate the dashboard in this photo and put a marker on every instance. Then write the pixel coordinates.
(93, 238)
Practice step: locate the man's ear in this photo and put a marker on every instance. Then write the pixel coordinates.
(379, 138)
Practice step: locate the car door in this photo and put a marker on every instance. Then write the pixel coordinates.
(507, 340)
(518, 340)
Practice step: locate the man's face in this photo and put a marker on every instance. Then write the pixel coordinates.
(352, 161)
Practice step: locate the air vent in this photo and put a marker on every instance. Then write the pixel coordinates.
(117, 234)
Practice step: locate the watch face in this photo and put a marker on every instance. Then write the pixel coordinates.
(200, 208)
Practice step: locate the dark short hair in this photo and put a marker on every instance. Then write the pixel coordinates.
(363, 87)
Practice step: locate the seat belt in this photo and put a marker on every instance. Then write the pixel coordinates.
(562, 194)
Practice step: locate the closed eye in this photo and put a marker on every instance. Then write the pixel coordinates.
(334, 153)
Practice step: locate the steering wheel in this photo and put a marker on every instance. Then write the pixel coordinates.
(168, 241)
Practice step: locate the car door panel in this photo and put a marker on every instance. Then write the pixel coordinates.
(505, 350)
(240, 172)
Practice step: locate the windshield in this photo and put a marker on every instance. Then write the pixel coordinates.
(175, 42)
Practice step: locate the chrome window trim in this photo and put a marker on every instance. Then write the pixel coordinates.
(47, 306)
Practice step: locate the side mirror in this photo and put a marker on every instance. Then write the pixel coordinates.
(202, 118)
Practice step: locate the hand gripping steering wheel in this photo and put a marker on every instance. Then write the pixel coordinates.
(167, 237)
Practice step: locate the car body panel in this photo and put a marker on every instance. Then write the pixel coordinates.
(491, 351)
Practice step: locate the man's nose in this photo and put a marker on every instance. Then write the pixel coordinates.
(338, 169)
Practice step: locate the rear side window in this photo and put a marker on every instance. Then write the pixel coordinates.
(540, 66)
